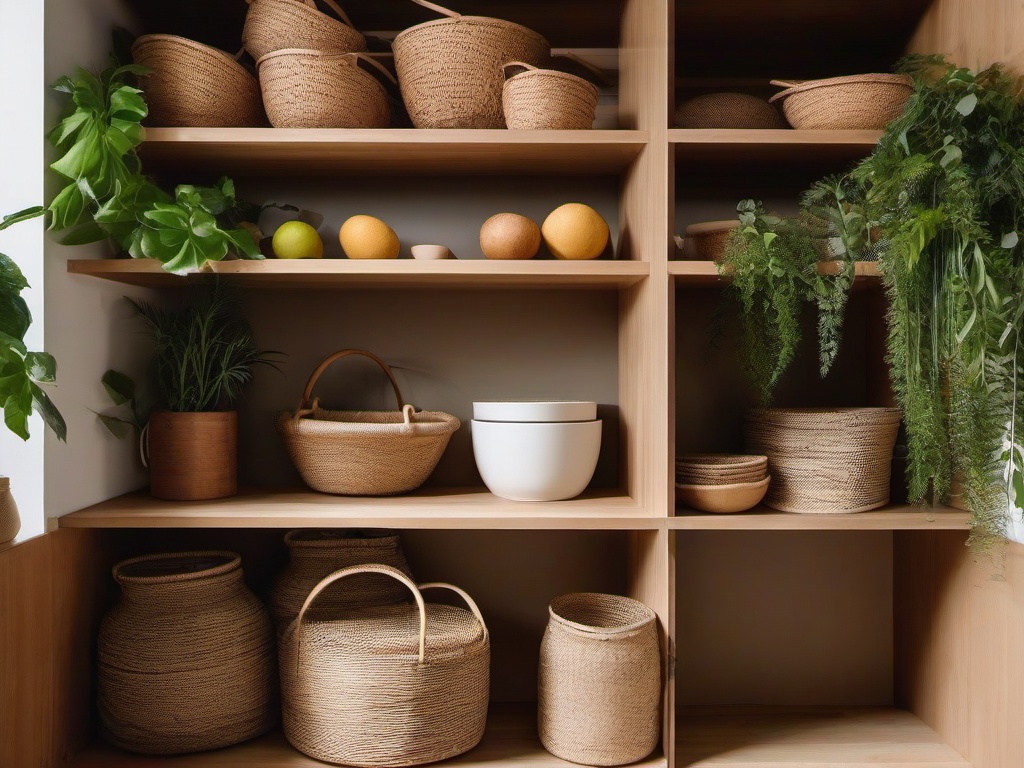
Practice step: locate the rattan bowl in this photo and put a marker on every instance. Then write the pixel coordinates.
(722, 499)
(856, 102)
(728, 110)
(710, 238)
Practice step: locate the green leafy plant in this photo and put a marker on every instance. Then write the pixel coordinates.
(122, 392)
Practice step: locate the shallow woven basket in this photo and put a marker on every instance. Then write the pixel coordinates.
(273, 25)
(728, 110)
(315, 554)
(311, 89)
(186, 658)
(864, 102)
(710, 238)
(546, 99)
(196, 86)
(450, 70)
(364, 453)
(825, 461)
(387, 686)
(599, 682)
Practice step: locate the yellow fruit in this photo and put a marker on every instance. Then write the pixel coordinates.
(297, 240)
(509, 236)
(364, 237)
(575, 231)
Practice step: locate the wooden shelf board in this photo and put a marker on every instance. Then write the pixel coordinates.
(382, 273)
(695, 272)
(706, 147)
(810, 737)
(397, 151)
(894, 518)
(511, 738)
(426, 508)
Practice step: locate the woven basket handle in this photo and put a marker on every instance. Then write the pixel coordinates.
(598, 73)
(787, 83)
(518, 65)
(465, 597)
(367, 58)
(334, 7)
(325, 364)
(437, 8)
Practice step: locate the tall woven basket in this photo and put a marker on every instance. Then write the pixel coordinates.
(547, 99)
(825, 461)
(364, 453)
(315, 554)
(599, 684)
(186, 658)
(450, 70)
(387, 686)
(273, 25)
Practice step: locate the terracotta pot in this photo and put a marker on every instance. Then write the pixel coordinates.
(192, 456)
(10, 522)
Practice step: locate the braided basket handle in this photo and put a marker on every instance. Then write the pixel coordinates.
(368, 59)
(334, 7)
(325, 364)
(438, 8)
(518, 65)
(596, 71)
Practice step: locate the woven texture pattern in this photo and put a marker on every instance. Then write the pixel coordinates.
(825, 461)
(310, 89)
(599, 683)
(450, 70)
(709, 244)
(186, 658)
(857, 102)
(315, 554)
(389, 686)
(728, 110)
(192, 456)
(720, 468)
(196, 86)
(546, 99)
(10, 521)
(272, 25)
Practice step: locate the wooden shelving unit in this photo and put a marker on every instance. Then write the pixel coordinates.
(740, 148)
(706, 272)
(893, 518)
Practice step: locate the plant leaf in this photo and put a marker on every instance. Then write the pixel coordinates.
(967, 104)
(119, 386)
(119, 428)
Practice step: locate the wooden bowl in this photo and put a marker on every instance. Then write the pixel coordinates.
(722, 499)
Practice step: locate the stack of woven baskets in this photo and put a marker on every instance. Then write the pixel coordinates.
(719, 482)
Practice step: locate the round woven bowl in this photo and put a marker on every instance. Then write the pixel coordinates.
(723, 499)
(710, 238)
(857, 102)
(546, 99)
(312, 89)
(196, 86)
(273, 25)
(724, 461)
(728, 110)
(688, 477)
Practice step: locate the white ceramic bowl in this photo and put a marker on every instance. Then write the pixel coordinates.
(430, 252)
(536, 462)
(535, 410)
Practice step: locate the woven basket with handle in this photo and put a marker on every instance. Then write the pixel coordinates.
(864, 102)
(547, 99)
(273, 25)
(450, 70)
(392, 685)
(364, 453)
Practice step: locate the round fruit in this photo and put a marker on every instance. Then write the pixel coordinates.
(297, 240)
(364, 237)
(575, 231)
(509, 236)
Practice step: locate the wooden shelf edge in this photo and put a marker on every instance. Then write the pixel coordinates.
(773, 137)
(394, 136)
(696, 272)
(895, 518)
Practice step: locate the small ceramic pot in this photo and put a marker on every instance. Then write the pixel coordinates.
(10, 521)
(430, 252)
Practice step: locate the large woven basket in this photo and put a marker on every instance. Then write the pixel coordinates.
(599, 683)
(728, 110)
(364, 453)
(450, 70)
(866, 102)
(547, 99)
(825, 461)
(196, 86)
(315, 554)
(273, 25)
(312, 89)
(186, 658)
(387, 686)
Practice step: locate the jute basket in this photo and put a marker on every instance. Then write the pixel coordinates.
(865, 102)
(711, 238)
(825, 461)
(599, 684)
(546, 99)
(450, 70)
(273, 25)
(312, 89)
(728, 110)
(196, 86)
(364, 453)
(387, 686)
(186, 658)
(315, 554)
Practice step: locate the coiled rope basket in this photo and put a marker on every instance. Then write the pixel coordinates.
(273, 25)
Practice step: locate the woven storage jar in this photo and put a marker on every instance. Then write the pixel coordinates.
(196, 86)
(857, 102)
(546, 99)
(315, 554)
(711, 238)
(186, 658)
(391, 686)
(450, 70)
(364, 453)
(311, 89)
(728, 110)
(273, 25)
(599, 683)
(825, 461)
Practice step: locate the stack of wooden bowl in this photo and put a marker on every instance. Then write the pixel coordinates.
(719, 482)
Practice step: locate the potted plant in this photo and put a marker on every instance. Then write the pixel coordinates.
(205, 354)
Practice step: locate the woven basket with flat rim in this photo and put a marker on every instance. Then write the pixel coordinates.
(364, 453)
(547, 99)
(273, 25)
(728, 110)
(391, 686)
(195, 85)
(450, 70)
(856, 102)
(710, 238)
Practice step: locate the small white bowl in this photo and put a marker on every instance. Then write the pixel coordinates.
(536, 462)
(431, 252)
(535, 410)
